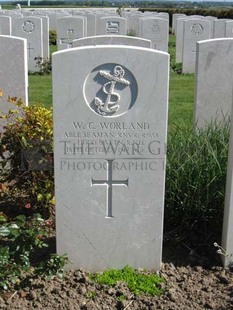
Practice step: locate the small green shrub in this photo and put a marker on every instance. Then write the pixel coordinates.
(26, 155)
(195, 181)
(52, 37)
(44, 65)
(131, 33)
(20, 240)
(176, 67)
(137, 282)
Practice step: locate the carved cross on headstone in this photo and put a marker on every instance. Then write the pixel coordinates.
(109, 183)
(29, 50)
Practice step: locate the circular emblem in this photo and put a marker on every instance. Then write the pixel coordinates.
(196, 29)
(155, 27)
(110, 90)
(28, 26)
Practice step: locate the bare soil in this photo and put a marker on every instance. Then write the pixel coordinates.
(185, 287)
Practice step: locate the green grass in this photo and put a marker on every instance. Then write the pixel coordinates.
(40, 90)
(181, 101)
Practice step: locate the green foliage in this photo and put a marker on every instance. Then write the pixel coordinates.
(131, 33)
(195, 180)
(53, 266)
(19, 241)
(176, 67)
(120, 9)
(137, 282)
(26, 155)
(44, 65)
(52, 37)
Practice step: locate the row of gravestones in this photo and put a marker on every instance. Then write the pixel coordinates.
(36, 31)
(191, 29)
(110, 124)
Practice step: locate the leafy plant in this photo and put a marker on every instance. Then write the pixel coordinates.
(26, 155)
(137, 282)
(132, 33)
(44, 65)
(20, 241)
(53, 266)
(52, 37)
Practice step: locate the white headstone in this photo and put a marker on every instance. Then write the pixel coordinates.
(45, 35)
(214, 81)
(13, 68)
(112, 25)
(180, 35)
(211, 19)
(112, 40)
(91, 24)
(194, 30)
(174, 20)
(229, 29)
(30, 28)
(179, 39)
(156, 30)
(227, 235)
(220, 28)
(110, 119)
(133, 23)
(69, 29)
(5, 25)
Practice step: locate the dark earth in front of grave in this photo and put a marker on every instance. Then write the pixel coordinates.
(185, 287)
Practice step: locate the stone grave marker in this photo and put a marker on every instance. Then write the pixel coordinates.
(110, 123)
(112, 40)
(133, 23)
(180, 35)
(156, 30)
(229, 29)
(13, 71)
(69, 29)
(112, 25)
(30, 28)
(214, 81)
(45, 35)
(220, 28)
(211, 19)
(174, 20)
(179, 38)
(227, 236)
(5, 25)
(194, 30)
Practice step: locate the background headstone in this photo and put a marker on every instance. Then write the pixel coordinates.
(13, 71)
(110, 119)
(156, 30)
(5, 25)
(69, 29)
(112, 40)
(30, 28)
(194, 30)
(227, 235)
(112, 25)
(214, 81)
(220, 28)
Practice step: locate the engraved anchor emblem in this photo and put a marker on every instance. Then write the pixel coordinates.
(109, 107)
